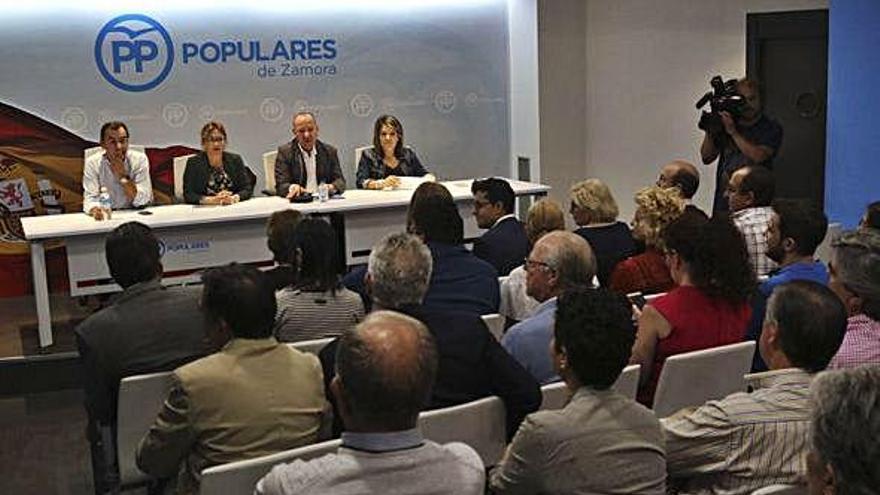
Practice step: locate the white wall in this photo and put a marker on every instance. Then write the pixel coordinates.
(647, 62)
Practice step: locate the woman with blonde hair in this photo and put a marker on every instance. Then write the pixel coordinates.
(656, 208)
(544, 216)
(594, 210)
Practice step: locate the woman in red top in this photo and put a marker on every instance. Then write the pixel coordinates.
(709, 308)
(656, 207)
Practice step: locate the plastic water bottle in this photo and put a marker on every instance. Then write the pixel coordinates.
(105, 202)
(323, 192)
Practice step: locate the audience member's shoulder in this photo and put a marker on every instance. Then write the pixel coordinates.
(304, 477)
(465, 456)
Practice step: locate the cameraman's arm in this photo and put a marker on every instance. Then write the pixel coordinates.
(708, 150)
(754, 152)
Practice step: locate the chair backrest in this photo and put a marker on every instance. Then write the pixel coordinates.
(140, 399)
(782, 490)
(179, 170)
(242, 476)
(495, 322)
(269, 170)
(627, 383)
(357, 156)
(480, 424)
(554, 395)
(823, 251)
(692, 378)
(311, 346)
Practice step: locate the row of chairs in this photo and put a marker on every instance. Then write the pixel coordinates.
(687, 380)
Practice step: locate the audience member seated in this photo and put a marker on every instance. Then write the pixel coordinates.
(685, 177)
(749, 440)
(871, 218)
(306, 162)
(795, 231)
(124, 172)
(647, 272)
(214, 176)
(594, 210)
(382, 165)
(516, 305)
(460, 281)
(708, 308)
(147, 328)
(505, 243)
(316, 305)
(601, 442)
(279, 234)
(844, 428)
(855, 278)
(385, 369)
(252, 398)
(560, 261)
(749, 194)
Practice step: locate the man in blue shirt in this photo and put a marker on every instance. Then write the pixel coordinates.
(559, 261)
(796, 229)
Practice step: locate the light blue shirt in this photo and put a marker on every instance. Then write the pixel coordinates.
(529, 342)
(97, 174)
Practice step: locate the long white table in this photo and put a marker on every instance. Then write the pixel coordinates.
(194, 237)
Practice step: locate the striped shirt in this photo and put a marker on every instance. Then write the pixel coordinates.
(753, 223)
(745, 441)
(861, 344)
(305, 315)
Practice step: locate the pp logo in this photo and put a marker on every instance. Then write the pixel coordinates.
(134, 52)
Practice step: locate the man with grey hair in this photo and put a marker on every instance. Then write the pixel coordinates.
(845, 453)
(855, 278)
(559, 261)
(472, 363)
(384, 371)
(749, 440)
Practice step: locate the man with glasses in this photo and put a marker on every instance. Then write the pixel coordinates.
(749, 193)
(505, 242)
(125, 173)
(559, 261)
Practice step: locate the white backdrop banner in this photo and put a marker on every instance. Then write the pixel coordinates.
(442, 68)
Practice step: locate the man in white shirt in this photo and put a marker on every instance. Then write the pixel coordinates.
(305, 162)
(125, 173)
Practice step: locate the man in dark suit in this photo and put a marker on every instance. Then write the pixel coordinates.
(148, 328)
(472, 364)
(304, 163)
(505, 245)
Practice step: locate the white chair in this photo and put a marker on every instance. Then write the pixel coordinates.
(179, 170)
(781, 490)
(140, 400)
(269, 172)
(480, 424)
(823, 251)
(357, 156)
(692, 378)
(311, 346)
(554, 396)
(627, 383)
(242, 476)
(495, 322)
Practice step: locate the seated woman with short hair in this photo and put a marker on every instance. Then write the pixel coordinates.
(709, 261)
(214, 176)
(388, 159)
(601, 441)
(316, 305)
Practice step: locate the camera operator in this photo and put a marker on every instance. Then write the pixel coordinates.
(751, 138)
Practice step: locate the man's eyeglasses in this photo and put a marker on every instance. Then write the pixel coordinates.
(530, 264)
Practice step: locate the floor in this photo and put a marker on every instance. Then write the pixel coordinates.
(18, 330)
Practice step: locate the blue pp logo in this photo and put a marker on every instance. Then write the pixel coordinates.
(134, 52)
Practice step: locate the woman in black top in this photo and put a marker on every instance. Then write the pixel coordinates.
(215, 177)
(388, 159)
(594, 210)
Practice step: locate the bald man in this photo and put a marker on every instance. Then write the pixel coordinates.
(684, 176)
(385, 368)
(305, 162)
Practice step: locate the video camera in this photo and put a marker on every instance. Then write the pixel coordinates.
(722, 98)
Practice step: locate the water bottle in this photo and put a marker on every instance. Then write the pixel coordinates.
(105, 202)
(323, 192)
